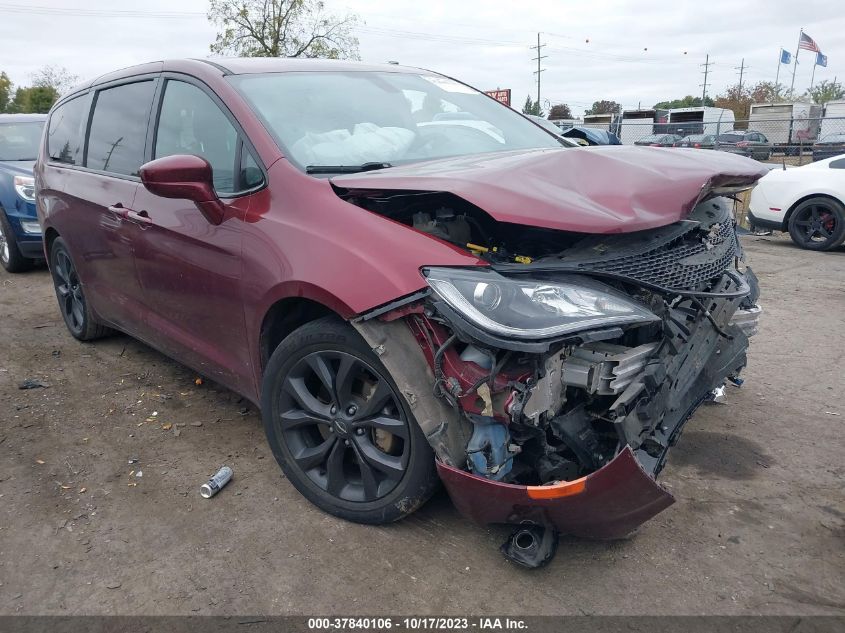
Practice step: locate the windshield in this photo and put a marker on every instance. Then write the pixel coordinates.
(546, 124)
(360, 118)
(19, 141)
(731, 138)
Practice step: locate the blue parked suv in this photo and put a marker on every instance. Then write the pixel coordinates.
(20, 234)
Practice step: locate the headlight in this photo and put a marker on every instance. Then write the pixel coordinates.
(25, 186)
(531, 308)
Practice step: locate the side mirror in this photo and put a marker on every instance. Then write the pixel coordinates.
(185, 176)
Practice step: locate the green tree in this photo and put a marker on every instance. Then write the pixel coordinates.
(686, 102)
(532, 107)
(282, 28)
(560, 111)
(825, 91)
(35, 99)
(5, 91)
(604, 107)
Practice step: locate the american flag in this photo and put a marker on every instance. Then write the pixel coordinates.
(808, 43)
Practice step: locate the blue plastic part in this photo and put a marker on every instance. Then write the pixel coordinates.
(488, 448)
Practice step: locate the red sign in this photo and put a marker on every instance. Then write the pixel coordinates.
(500, 94)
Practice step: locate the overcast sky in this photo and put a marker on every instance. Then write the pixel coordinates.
(631, 51)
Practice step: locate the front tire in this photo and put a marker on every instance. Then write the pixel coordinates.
(341, 430)
(818, 224)
(10, 254)
(70, 294)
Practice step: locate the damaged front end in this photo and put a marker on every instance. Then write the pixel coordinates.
(552, 383)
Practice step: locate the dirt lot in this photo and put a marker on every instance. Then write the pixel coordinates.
(758, 526)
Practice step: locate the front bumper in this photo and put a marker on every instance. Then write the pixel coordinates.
(607, 504)
(30, 244)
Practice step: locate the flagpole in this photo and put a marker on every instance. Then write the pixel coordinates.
(777, 74)
(795, 65)
(813, 76)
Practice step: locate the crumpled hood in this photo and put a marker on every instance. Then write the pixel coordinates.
(609, 189)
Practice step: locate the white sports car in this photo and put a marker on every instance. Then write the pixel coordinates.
(807, 201)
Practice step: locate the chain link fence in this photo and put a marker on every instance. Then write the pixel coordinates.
(793, 141)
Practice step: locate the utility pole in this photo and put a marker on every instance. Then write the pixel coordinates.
(707, 64)
(539, 70)
(741, 70)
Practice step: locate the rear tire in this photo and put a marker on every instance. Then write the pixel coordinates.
(818, 224)
(70, 294)
(327, 403)
(10, 254)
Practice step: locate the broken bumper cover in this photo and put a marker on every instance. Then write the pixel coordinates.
(607, 504)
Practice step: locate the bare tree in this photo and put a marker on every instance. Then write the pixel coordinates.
(282, 28)
(56, 77)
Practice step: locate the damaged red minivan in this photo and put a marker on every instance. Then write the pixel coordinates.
(414, 282)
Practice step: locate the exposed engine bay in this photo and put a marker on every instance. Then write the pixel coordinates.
(538, 411)
(560, 409)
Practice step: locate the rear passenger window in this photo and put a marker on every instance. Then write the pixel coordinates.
(191, 123)
(64, 141)
(119, 128)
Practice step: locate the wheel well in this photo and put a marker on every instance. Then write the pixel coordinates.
(49, 237)
(788, 214)
(283, 318)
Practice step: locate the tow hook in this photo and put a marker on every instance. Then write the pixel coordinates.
(531, 545)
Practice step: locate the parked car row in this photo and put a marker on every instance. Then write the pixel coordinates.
(743, 142)
(697, 141)
(748, 143)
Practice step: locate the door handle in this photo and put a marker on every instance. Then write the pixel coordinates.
(119, 210)
(139, 217)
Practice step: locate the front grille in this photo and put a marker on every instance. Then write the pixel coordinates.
(684, 263)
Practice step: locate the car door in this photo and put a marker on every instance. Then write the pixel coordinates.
(99, 196)
(190, 269)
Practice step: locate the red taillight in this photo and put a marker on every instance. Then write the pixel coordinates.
(698, 145)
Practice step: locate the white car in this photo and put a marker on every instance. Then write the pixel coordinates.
(807, 201)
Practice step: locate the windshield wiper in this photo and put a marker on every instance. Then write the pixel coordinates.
(345, 169)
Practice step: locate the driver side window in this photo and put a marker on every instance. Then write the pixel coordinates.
(191, 123)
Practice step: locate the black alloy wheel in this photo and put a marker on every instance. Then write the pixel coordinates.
(344, 426)
(69, 292)
(71, 296)
(818, 224)
(341, 430)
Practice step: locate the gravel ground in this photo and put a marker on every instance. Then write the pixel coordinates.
(758, 526)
